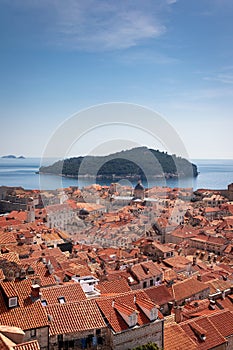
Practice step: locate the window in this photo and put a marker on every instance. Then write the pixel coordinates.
(13, 302)
(98, 331)
(33, 333)
(144, 284)
(60, 340)
(151, 283)
(62, 300)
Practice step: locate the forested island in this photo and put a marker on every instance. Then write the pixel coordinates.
(138, 162)
(12, 156)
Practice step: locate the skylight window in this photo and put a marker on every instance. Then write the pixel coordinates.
(62, 300)
(13, 302)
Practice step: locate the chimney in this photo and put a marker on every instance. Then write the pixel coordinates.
(50, 267)
(178, 314)
(113, 303)
(212, 305)
(35, 292)
(120, 253)
(194, 260)
(199, 278)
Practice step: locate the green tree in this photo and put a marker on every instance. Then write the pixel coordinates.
(148, 346)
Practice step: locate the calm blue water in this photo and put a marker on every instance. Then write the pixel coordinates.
(214, 174)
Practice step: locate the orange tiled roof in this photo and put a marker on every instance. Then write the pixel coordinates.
(218, 284)
(18, 215)
(177, 262)
(185, 289)
(116, 322)
(2, 276)
(203, 324)
(31, 345)
(11, 256)
(28, 314)
(41, 272)
(29, 317)
(7, 237)
(146, 303)
(72, 292)
(162, 247)
(9, 289)
(226, 303)
(175, 338)
(196, 308)
(74, 317)
(145, 270)
(125, 309)
(159, 295)
(115, 286)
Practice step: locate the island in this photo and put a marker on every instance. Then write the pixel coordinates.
(11, 156)
(137, 163)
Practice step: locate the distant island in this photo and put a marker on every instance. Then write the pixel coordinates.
(11, 156)
(137, 163)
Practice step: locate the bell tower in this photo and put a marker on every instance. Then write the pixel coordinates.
(30, 210)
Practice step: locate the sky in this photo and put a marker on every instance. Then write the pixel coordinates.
(174, 57)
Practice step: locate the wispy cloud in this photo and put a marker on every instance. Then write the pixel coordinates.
(145, 56)
(100, 25)
(105, 25)
(224, 76)
(170, 2)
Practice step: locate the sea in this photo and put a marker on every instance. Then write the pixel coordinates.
(213, 174)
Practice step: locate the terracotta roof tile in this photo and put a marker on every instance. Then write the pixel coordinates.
(11, 256)
(223, 321)
(2, 276)
(116, 286)
(129, 299)
(218, 284)
(159, 295)
(177, 262)
(72, 292)
(18, 215)
(202, 325)
(185, 289)
(226, 303)
(9, 289)
(145, 270)
(32, 345)
(125, 309)
(41, 272)
(175, 338)
(28, 314)
(7, 237)
(74, 317)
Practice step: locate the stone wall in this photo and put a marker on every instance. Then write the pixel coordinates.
(133, 337)
(42, 335)
(229, 345)
(81, 340)
(7, 206)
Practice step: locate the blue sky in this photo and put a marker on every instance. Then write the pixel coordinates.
(59, 57)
